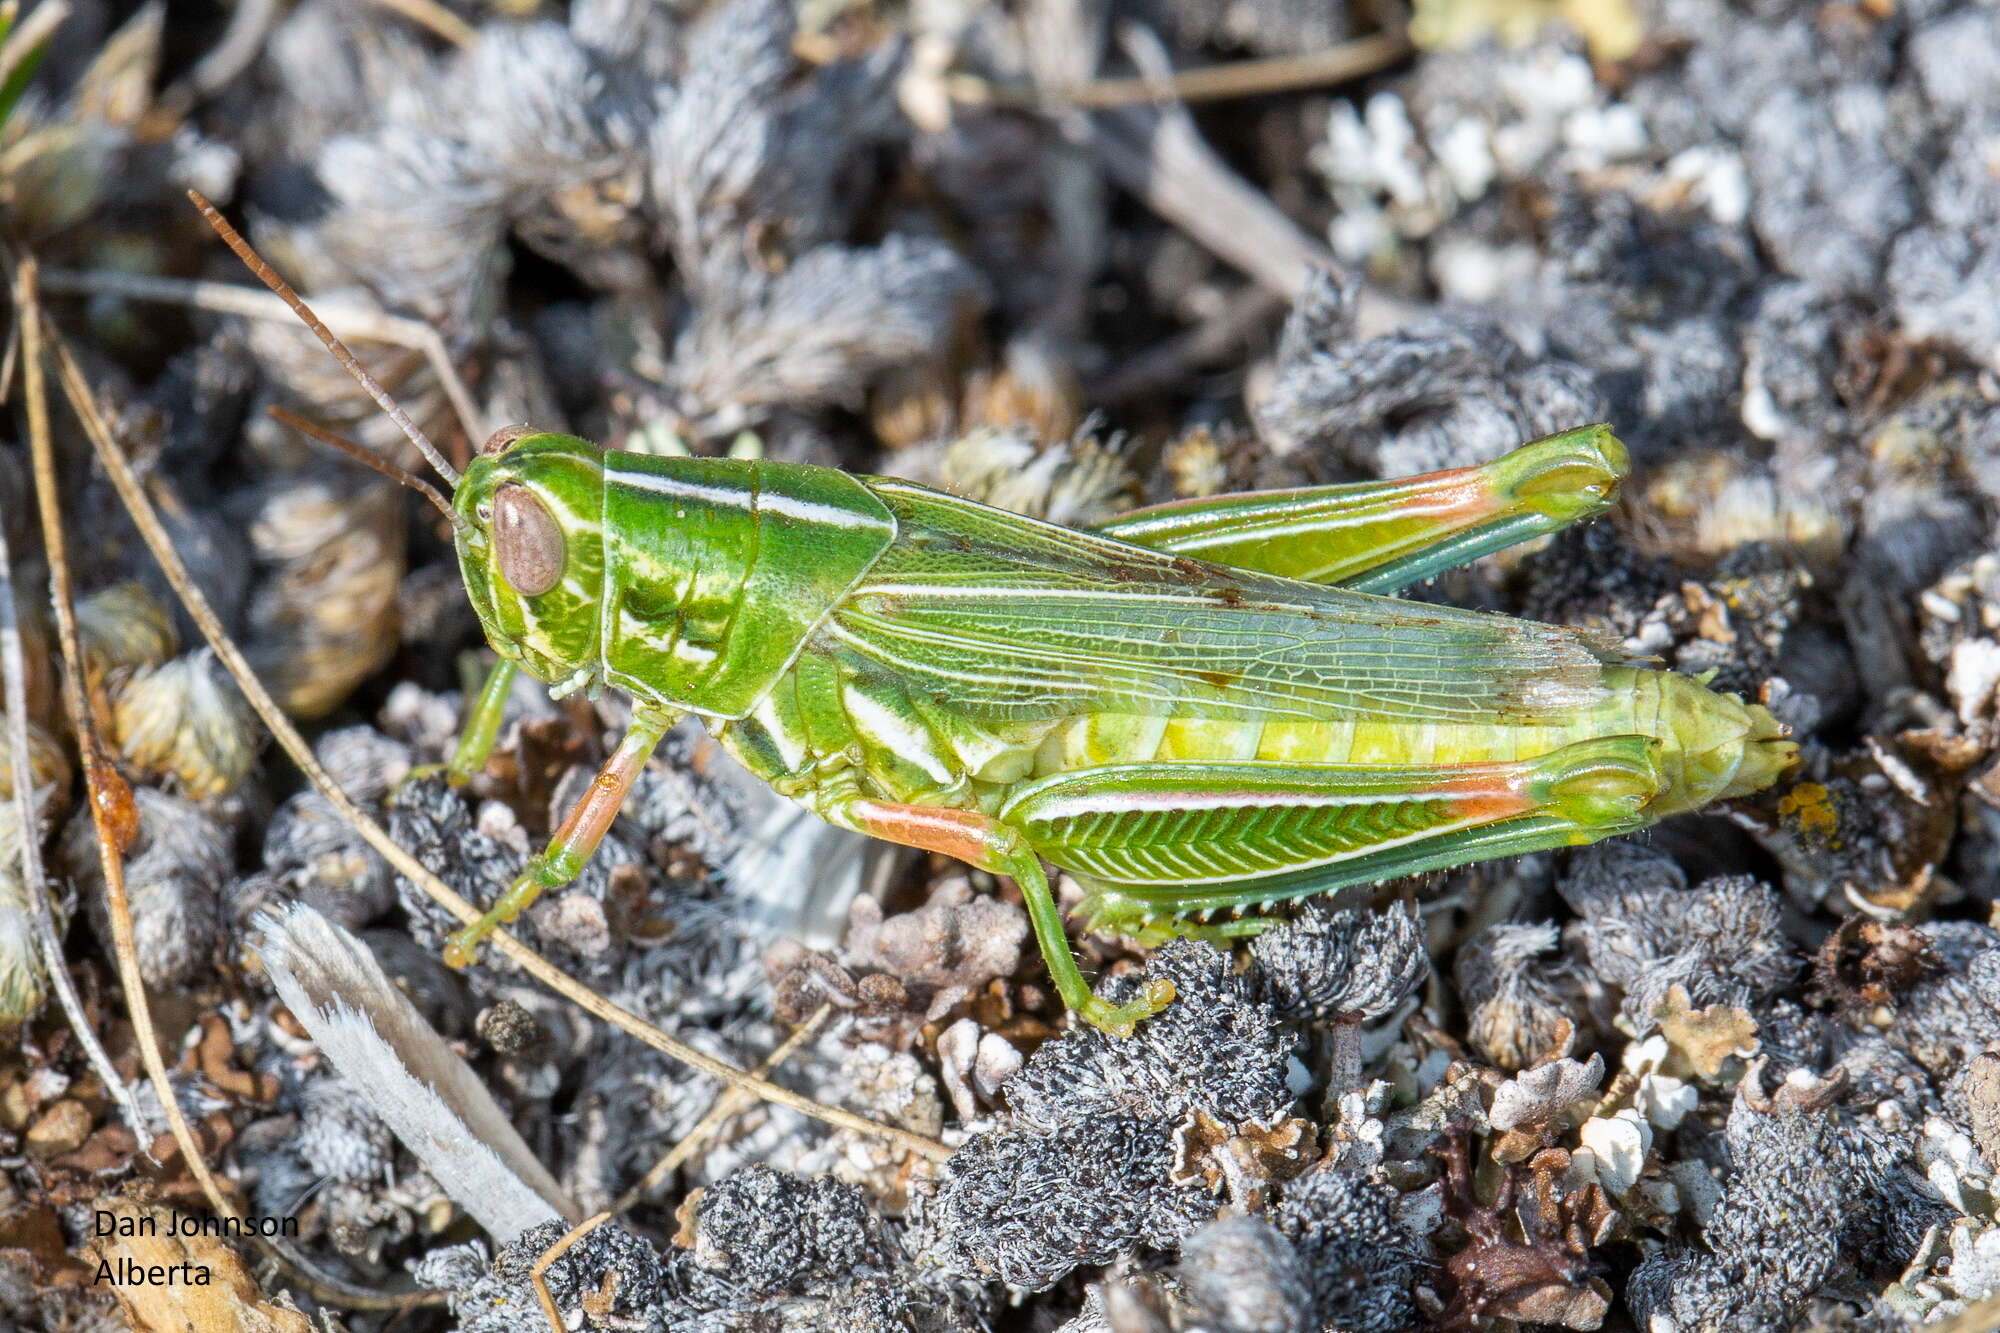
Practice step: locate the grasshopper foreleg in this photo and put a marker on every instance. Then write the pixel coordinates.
(574, 841)
(482, 724)
(990, 845)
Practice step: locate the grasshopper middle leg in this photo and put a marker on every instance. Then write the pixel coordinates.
(574, 841)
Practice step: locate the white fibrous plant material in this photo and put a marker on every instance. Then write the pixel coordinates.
(797, 875)
(788, 871)
(414, 1081)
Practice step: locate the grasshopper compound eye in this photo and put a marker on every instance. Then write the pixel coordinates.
(527, 540)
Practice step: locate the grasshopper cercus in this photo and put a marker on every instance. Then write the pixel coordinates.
(1197, 710)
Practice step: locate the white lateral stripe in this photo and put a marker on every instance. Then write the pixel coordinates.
(747, 501)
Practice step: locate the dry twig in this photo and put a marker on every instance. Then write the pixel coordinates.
(1158, 154)
(347, 320)
(1209, 83)
(728, 1104)
(1167, 363)
(9, 358)
(732, 1102)
(35, 884)
(435, 17)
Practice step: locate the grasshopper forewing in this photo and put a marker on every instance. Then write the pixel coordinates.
(1182, 709)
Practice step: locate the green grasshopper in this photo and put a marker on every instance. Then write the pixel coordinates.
(1198, 710)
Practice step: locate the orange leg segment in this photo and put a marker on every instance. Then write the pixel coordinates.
(982, 841)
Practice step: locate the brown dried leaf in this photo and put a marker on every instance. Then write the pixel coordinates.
(1525, 1254)
(111, 1148)
(1244, 1161)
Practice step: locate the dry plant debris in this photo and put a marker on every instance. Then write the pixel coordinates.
(1740, 1072)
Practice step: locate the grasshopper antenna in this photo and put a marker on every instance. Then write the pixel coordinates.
(269, 277)
(368, 458)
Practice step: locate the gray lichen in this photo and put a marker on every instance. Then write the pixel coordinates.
(1243, 1276)
(1222, 1052)
(1027, 1209)
(1351, 964)
(1448, 391)
(174, 877)
(1769, 1244)
(1645, 931)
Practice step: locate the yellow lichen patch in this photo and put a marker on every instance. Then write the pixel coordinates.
(1812, 806)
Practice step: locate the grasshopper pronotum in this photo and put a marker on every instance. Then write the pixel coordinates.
(1196, 710)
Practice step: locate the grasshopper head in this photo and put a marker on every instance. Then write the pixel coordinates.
(532, 548)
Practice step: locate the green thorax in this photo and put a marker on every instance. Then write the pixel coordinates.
(691, 583)
(723, 568)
